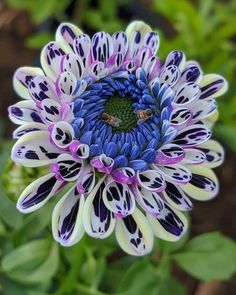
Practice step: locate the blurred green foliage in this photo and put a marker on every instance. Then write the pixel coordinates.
(31, 262)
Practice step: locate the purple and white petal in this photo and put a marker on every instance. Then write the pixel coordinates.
(34, 150)
(124, 175)
(42, 87)
(134, 234)
(186, 95)
(27, 128)
(170, 75)
(103, 163)
(176, 197)
(38, 193)
(152, 41)
(72, 63)
(98, 221)
(203, 109)
(151, 180)
(176, 58)
(150, 201)
(170, 225)
(51, 56)
(175, 173)
(86, 181)
(66, 86)
(214, 153)
(67, 218)
(79, 151)
(169, 154)
(102, 46)
(181, 118)
(23, 112)
(193, 157)
(212, 85)
(67, 168)
(203, 186)
(192, 135)
(62, 135)
(120, 42)
(119, 199)
(191, 73)
(22, 78)
(66, 33)
(82, 45)
(50, 111)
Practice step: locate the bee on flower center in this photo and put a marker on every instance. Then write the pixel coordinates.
(110, 120)
(144, 115)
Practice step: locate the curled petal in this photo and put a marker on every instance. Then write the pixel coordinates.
(98, 221)
(67, 218)
(192, 135)
(170, 225)
(67, 32)
(176, 197)
(186, 95)
(181, 118)
(67, 168)
(34, 150)
(50, 111)
(82, 45)
(134, 235)
(118, 199)
(79, 150)
(170, 75)
(123, 175)
(176, 173)
(23, 112)
(176, 58)
(214, 153)
(213, 85)
(150, 201)
(72, 63)
(193, 157)
(62, 134)
(86, 180)
(151, 180)
(103, 163)
(203, 186)
(38, 193)
(22, 78)
(169, 154)
(66, 86)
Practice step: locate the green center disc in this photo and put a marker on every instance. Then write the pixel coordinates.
(121, 108)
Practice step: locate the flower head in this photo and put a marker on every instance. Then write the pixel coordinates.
(129, 134)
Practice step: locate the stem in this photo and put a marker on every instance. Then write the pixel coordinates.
(88, 291)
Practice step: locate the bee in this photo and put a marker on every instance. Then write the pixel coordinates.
(144, 115)
(110, 120)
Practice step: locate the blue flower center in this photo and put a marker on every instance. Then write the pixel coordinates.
(118, 116)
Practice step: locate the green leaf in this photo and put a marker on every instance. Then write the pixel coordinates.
(210, 256)
(34, 262)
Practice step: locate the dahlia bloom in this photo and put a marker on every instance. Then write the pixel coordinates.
(128, 135)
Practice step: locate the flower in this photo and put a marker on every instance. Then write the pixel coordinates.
(129, 134)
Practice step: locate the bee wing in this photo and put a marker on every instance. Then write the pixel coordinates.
(116, 122)
(140, 121)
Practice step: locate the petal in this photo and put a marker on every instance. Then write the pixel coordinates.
(181, 118)
(152, 41)
(74, 64)
(103, 163)
(82, 45)
(23, 112)
(170, 225)
(98, 221)
(169, 154)
(151, 180)
(42, 87)
(67, 218)
(51, 56)
(67, 168)
(137, 26)
(203, 109)
(192, 135)
(123, 175)
(176, 197)
(134, 234)
(79, 150)
(34, 150)
(150, 201)
(102, 46)
(38, 193)
(213, 85)
(120, 42)
(186, 95)
(62, 134)
(22, 78)
(27, 128)
(214, 153)
(170, 75)
(176, 173)
(118, 199)
(86, 180)
(203, 186)
(50, 111)
(67, 32)
(193, 157)
(66, 86)
(176, 58)
(190, 73)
